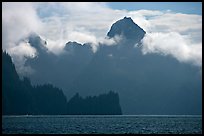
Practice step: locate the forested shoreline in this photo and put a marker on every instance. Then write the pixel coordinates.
(22, 98)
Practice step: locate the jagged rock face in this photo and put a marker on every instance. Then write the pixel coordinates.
(127, 28)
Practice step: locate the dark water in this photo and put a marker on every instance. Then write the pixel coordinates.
(102, 124)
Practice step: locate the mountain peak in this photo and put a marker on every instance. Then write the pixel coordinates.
(37, 42)
(127, 28)
(128, 18)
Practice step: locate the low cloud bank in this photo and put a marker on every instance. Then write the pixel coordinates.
(174, 44)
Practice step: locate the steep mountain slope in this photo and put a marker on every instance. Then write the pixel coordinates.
(21, 98)
(147, 84)
(62, 69)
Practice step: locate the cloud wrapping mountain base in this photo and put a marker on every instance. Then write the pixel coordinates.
(173, 44)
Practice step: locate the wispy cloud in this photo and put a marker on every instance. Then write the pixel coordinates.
(18, 21)
(19, 54)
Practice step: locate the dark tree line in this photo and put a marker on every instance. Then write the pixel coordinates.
(104, 104)
(21, 98)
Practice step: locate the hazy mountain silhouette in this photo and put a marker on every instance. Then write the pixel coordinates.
(147, 84)
(21, 98)
(64, 67)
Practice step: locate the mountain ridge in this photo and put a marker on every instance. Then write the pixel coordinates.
(141, 79)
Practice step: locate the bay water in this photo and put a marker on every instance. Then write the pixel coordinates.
(102, 124)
